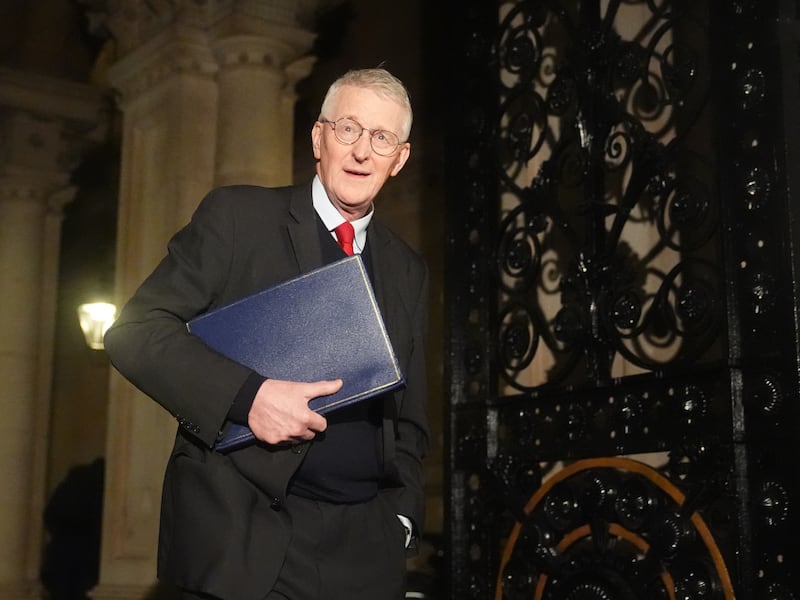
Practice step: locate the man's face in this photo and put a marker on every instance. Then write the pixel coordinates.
(354, 174)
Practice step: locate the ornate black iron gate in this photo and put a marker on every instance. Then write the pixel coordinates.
(622, 297)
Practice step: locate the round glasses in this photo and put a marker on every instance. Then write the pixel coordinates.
(347, 131)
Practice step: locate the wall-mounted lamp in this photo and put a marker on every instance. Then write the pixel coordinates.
(95, 318)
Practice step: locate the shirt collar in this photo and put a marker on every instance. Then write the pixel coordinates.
(332, 218)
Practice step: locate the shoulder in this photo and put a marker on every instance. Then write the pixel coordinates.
(246, 202)
(243, 195)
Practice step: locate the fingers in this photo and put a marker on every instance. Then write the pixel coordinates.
(318, 423)
(280, 412)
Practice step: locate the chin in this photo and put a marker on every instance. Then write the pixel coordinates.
(356, 203)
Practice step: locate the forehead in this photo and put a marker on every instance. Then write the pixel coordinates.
(368, 108)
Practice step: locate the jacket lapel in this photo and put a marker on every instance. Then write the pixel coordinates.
(302, 230)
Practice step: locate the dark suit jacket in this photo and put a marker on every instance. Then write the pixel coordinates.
(222, 527)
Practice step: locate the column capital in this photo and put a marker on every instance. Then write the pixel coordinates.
(46, 124)
(133, 22)
(273, 32)
(273, 46)
(28, 185)
(157, 40)
(47, 96)
(178, 49)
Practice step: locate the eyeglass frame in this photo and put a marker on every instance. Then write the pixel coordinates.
(371, 132)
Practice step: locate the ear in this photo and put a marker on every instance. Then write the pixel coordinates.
(316, 136)
(402, 157)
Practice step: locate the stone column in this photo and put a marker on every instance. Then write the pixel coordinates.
(44, 124)
(185, 118)
(169, 103)
(258, 72)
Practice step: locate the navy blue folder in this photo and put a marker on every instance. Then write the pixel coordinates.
(322, 325)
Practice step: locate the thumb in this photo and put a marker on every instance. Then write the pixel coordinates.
(325, 388)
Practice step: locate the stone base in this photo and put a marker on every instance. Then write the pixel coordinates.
(154, 591)
(22, 590)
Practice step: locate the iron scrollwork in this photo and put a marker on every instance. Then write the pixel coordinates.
(628, 284)
(606, 244)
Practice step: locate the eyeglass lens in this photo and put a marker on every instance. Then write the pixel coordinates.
(348, 131)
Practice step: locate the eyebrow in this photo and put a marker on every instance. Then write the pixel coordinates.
(379, 128)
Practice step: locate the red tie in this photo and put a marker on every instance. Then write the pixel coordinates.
(345, 235)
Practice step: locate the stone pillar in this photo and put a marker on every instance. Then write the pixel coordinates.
(257, 78)
(185, 119)
(44, 124)
(169, 103)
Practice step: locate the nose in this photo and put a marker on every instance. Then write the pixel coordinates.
(362, 147)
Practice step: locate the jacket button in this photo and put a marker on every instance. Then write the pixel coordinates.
(276, 504)
(298, 448)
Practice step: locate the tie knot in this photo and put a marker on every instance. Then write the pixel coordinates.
(344, 235)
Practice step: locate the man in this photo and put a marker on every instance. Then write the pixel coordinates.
(321, 508)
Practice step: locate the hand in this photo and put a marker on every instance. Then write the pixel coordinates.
(280, 412)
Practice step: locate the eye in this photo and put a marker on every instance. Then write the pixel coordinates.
(381, 136)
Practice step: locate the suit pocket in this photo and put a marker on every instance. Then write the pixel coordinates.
(219, 534)
(197, 513)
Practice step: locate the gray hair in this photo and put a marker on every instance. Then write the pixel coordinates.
(380, 81)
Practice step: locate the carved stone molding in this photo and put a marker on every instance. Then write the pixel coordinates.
(39, 94)
(46, 124)
(59, 199)
(27, 185)
(43, 145)
(132, 23)
(295, 71)
(200, 48)
(275, 46)
(172, 51)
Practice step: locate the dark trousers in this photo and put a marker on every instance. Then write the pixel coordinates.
(340, 552)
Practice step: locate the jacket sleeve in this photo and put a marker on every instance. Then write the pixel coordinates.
(149, 343)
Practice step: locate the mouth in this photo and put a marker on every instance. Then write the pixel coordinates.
(360, 174)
